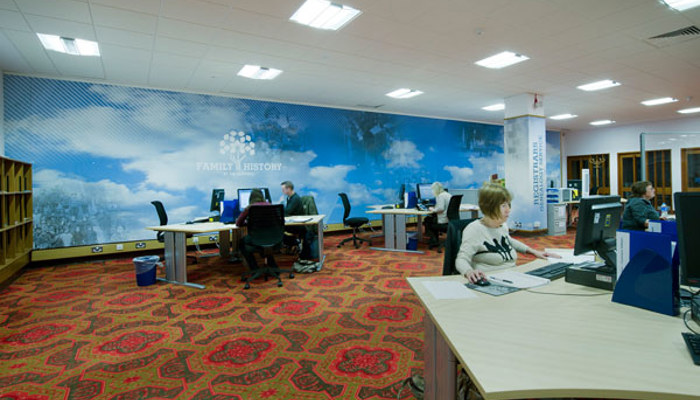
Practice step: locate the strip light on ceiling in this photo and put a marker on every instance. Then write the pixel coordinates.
(659, 101)
(682, 5)
(600, 85)
(602, 122)
(258, 72)
(323, 14)
(502, 60)
(563, 116)
(495, 107)
(404, 93)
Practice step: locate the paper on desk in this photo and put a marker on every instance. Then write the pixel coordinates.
(567, 255)
(517, 279)
(298, 219)
(444, 290)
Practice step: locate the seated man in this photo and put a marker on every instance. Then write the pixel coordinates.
(294, 207)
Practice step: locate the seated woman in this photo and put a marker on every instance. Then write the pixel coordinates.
(486, 244)
(638, 210)
(438, 222)
(244, 246)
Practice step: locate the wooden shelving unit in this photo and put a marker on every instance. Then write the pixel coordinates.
(16, 224)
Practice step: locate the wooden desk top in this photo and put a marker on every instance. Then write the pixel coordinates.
(529, 345)
(204, 227)
(415, 211)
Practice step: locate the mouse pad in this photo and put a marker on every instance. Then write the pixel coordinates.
(494, 290)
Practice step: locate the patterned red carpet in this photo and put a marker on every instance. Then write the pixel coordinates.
(87, 331)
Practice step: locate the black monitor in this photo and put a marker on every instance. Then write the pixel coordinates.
(598, 221)
(217, 196)
(244, 196)
(402, 192)
(424, 192)
(687, 218)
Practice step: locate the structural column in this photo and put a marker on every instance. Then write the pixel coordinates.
(525, 161)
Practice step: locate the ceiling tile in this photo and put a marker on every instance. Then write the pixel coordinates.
(13, 20)
(124, 38)
(78, 67)
(28, 44)
(12, 59)
(185, 30)
(61, 27)
(8, 5)
(180, 47)
(143, 6)
(198, 12)
(77, 11)
(126, 65)
(124, 19)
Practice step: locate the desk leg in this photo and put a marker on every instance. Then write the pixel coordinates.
(440, 371)
(419, 229)
(321, 256)
(400, 232)
(395, 234)
(225, 244)
(176, 259)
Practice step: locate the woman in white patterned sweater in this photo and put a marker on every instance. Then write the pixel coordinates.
(486, 244)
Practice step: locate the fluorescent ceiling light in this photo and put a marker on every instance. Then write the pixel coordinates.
(75, 47)
(404, 93)
(589, 87)
(689, 110)
(258, 72)
(681, 5)
(495, 107)
(323, 14)
(662, 100)
(502, 60)
(563, 116)
(602, 122)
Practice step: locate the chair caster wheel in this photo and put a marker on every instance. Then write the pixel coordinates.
(247, 286)
(279, 284)
(291, 276)
(339, 245)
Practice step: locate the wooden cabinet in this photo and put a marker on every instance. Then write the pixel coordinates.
(16, 224)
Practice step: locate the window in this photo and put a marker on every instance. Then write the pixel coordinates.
(599, 170)
(658, 173)
(690, 169)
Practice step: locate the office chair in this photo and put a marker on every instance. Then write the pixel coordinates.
(452, 215)
(265, 235)
(163, 217)
(355, 223)
(453, 241)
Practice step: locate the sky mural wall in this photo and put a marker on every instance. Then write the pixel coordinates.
(102, 153)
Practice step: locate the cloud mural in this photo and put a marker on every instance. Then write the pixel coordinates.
(101, 153)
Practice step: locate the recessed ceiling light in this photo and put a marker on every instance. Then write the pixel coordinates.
(502, 60)
(689, 110)
(563, 116)
(404, 93)
(602, 122)
(607, 83)
(75, 47)
(681, 5)
(323, 14)
(258, 72)
(494, 107)
(662, 100)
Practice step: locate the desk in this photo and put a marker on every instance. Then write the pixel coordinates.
(528, 345)
(176, 245)
(394, 225)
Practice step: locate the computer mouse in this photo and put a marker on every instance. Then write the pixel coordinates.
(482, 282)
(387, 207)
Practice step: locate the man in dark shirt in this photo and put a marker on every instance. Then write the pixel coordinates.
(293, 206)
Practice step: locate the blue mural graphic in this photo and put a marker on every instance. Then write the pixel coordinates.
(102, 153)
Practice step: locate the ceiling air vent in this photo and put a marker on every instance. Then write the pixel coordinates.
(675, 37)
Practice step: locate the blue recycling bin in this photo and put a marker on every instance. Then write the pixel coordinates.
(145, 270)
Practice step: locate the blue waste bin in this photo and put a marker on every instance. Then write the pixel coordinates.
(412, 241)
(145, 270)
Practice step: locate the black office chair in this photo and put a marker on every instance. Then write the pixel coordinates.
(355, 223)
(163, 217)
(452, 215)
(452, 244)
(265, 234)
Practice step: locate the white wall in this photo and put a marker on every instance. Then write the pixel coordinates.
(622, 139)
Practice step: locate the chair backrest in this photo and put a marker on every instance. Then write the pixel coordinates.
(266, 224)
(453, 243)
(160, 209)
(453, 207)
(309, 205)
(346, 205)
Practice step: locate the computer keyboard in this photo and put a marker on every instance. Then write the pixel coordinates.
(551, 271)
(693, 342)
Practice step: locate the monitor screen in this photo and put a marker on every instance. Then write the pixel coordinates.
(217, 196)
(425, 192)
(402, 191)
(687, 218)
(244, 198)
(598, 221)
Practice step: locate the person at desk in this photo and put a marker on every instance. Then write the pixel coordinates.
(438, 222)
(295, 207)
(486, 244)
(246, 248)
(639, 210)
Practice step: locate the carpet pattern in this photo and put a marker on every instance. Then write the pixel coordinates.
(350, 331)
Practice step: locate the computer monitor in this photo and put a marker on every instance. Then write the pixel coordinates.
(217, 196)
(244, 196)
(687, 218)
(424, 191)
(402, 192)
(598, 220)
